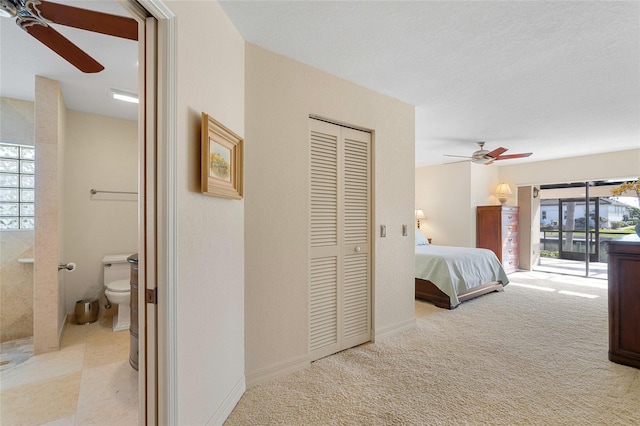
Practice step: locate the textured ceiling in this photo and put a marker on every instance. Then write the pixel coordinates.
(554, 78)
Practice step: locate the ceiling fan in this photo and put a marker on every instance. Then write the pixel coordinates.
(482, 156)
(34, 16)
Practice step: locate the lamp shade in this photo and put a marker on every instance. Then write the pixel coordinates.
(503, 188)
(420, 214)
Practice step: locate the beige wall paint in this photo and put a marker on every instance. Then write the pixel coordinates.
(484, 181)
(608, 165)
(16, 121)
(210, 230)
(16, 279)
(60, 199)
(449, 194)
(281, 94)
(102, 153)
(49, 141)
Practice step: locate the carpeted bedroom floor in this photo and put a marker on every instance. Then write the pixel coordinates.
(535, 354)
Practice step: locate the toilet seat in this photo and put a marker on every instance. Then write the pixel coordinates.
(120, 286)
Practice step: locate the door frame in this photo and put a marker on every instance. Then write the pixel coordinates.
(157, 126)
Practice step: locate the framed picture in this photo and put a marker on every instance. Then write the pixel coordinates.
(222, 160)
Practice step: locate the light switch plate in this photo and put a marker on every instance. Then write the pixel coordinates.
(404, 230)
(383, 231)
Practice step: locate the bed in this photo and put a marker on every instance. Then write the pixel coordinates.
(447, 276)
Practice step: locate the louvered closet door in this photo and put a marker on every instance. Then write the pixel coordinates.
(340, 312)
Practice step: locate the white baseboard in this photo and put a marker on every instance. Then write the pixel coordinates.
(229, 403)
(280, 369)
(392, 330)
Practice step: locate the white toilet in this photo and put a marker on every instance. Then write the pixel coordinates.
(117, 288)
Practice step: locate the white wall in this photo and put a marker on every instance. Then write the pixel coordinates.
(101, 153)
(281, 95)
(210, 230)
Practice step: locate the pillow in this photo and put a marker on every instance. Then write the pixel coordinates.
(420, 239)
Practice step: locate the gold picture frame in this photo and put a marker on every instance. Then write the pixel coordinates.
(222, 160)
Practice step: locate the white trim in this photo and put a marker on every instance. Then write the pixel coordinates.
(229, 403)
(277, 370)
(166, 170)
(392, 330)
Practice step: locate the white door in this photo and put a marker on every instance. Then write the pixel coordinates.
(340, 229)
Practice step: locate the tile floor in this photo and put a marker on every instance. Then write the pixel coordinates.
(87, 382)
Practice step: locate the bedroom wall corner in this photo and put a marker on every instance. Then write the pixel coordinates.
(443, 192)
(483, 182)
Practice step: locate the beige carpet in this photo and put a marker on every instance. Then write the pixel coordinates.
(524, 356)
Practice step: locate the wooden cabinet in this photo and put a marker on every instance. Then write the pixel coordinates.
(624, 302)
(497, 230)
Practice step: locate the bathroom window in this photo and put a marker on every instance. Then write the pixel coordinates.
(17, 186)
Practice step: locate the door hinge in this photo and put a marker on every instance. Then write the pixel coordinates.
(151, 296)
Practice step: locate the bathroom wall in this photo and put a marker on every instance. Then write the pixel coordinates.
(48, 315)
(101, 153)
(16, 279)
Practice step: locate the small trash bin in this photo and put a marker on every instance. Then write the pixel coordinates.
(86, 311)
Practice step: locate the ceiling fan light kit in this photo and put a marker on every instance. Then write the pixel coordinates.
(483, 156)
(8, 9)
(34, 16)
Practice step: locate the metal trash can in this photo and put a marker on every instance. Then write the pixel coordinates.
(87, 311)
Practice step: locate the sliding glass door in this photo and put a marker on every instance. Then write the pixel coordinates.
(576, 222)
(578, 230)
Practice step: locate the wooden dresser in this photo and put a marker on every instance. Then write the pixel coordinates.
(624, 302)
(497, 230)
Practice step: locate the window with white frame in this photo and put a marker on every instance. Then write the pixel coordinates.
(17, 186)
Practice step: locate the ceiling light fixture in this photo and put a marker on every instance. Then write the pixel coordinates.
(8, 9)
(123, 95)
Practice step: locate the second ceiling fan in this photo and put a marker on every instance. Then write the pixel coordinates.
(482, 156)
(34, 16)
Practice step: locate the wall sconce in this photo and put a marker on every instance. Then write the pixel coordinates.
(420, 215)
(503, 190)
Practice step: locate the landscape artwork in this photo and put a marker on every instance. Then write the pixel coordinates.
(222, 159)
(219, 161)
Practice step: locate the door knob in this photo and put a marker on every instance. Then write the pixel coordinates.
(358, 249)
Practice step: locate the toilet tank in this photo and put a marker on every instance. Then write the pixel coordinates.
(116, 267)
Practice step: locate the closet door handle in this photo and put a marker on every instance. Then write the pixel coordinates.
(357, 249)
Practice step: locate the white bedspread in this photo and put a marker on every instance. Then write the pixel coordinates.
(457, 269)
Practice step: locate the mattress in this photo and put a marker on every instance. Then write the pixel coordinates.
(455, 270)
